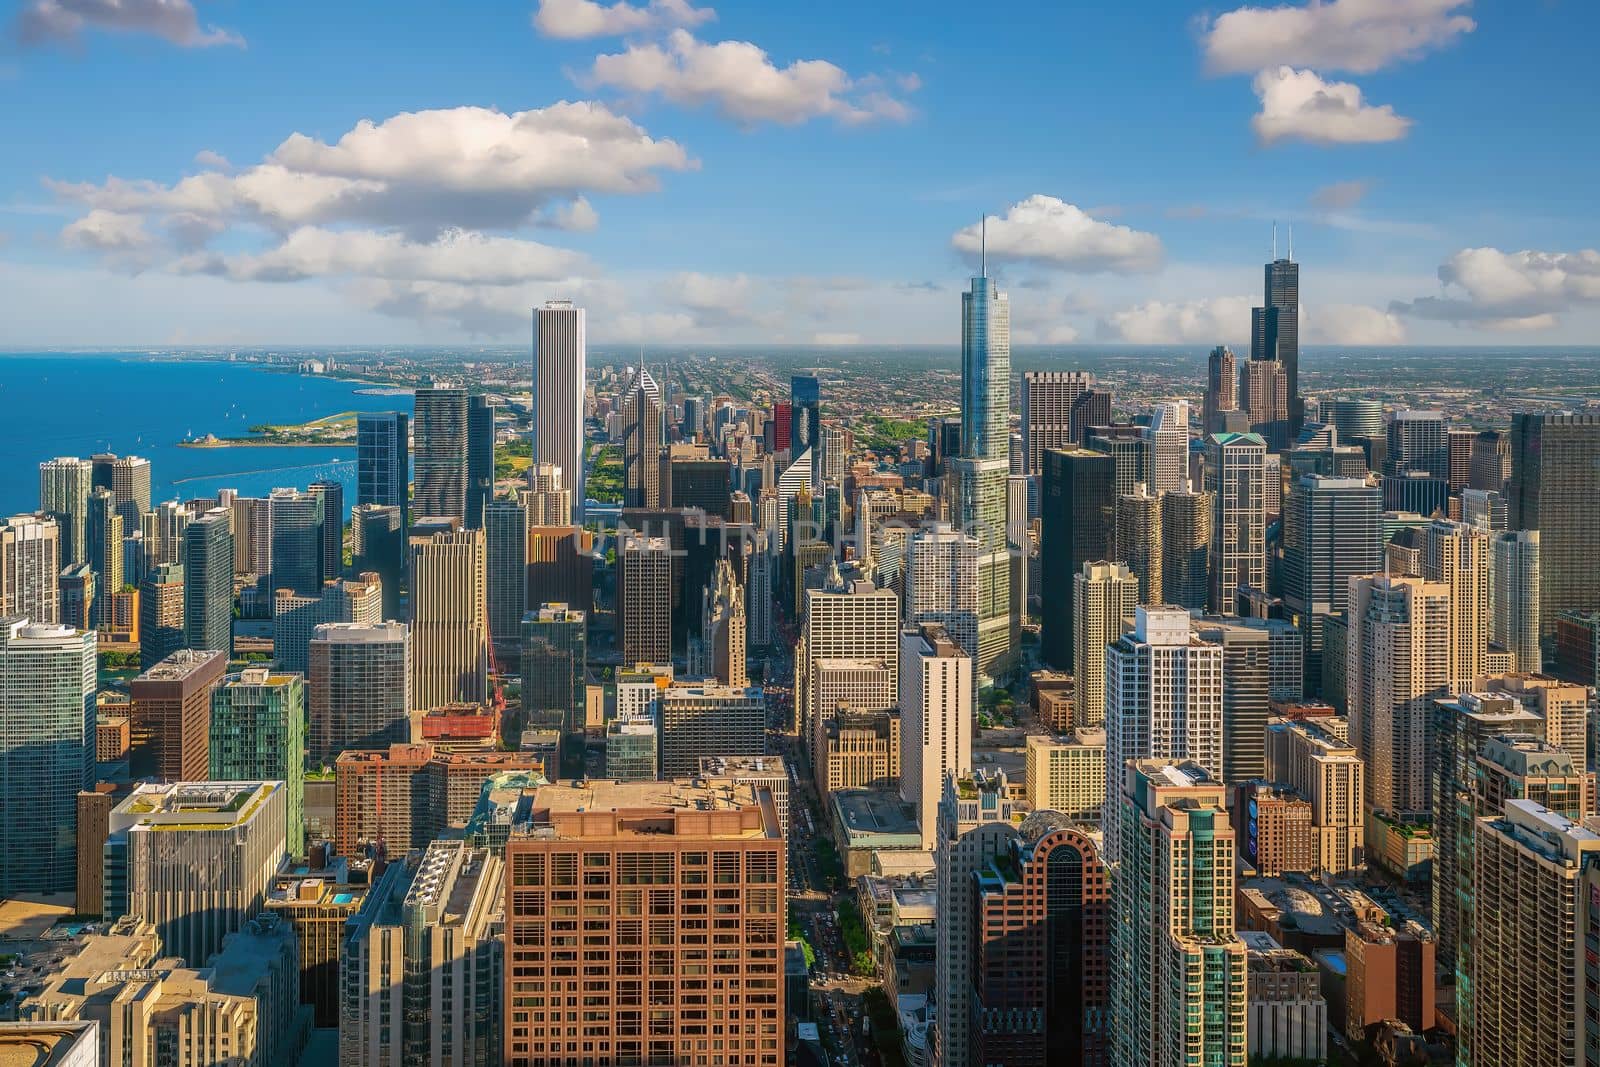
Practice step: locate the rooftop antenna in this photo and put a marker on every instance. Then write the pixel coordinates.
(1274, 238)
(983, 246)
(1291, 239)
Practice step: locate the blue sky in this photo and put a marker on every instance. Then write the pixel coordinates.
(759, 172)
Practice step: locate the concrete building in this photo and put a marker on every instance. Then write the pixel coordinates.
(171, 716)
(859, 750)
(422, 972)
(1236, 478)
(195, 859)
(51, 1044)
(936, 720)
(941, 582)
(1104, 595)
(723, 628)
(633, 748)
(1047, 402)
(404, 796)
(1323, 768)
(258, 733)
(30, 568)
(1457, 555)
(686, 841)
(644, 599)
(1562, 706)
(849, 619)
(449, 619)
(1067, 774)
(295, 618)
(1288, 1014)
(317, 897)
(1179, 982)
(161, 613)
(1260, 661)
(1274, 830)
(47, 752)
(1138, 541)
(708, 720)
(560, 359)
(360, 687)
(1186, 520)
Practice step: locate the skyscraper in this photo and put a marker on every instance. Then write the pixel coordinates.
(1138, 540)
(1047, 399)
(441, 452)
(1103, 595)
(128, 479)
(722, 628)
(644, 599)
(30, 568)
(172, 715)
(1555, 480)
(161, 613)
(1417, 441)
(383, 461)
(1331, 533)
(643, 428)
(104, 543)
(505, 530)
(64, 487)
(360, 688)
(1275, 328)
(1515, 574)
(857, 623)
(258, 733)
(47, 752)
(449, 619)
(1178, 970)
(1265, 400)
(1358, 421)
(1458, 556)
(1186, 548)
(560, 368)
(805, 404)
(936, 719)
(297, 548)
(378, 546)
(1222, 388)
(1236, 475)
(332, 494)
(1077, 514)
(554, 658)
(480, 458)
(941, 584)
(208, 582)
(1168, 434)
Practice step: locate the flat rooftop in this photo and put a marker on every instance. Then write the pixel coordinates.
(874, 811)
(610, 795)
(39, 1044)
(192, 805)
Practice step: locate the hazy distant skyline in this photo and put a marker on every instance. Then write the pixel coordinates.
(757, 173)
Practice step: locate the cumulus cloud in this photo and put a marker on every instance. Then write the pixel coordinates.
(65, 21)
(1298, 104)
(1047, 230)
(1352, 324)
(1159, 322)
(425, 171)
(741, 81)
(1360, 36)
(1340, 196)
(1499, 290)
(578, 216)
(107, 231)
(579, 19)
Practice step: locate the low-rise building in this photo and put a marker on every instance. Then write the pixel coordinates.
(1288, 1015)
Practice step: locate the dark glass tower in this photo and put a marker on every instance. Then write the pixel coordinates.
(480, 459)
(1275, 329)
(441, 443)
(208, 582)
(805, 397)
(383, 461)
(1078, 524)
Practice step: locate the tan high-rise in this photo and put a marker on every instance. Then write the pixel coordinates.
(449, 619)
(1326, 771)
(659, 907)
(1458, 556)
(1105, 594)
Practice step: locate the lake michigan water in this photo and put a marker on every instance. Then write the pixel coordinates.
(74, 405)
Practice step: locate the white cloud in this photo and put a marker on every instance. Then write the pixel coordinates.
(1352, 324)
(1299, 104)
(44, 21)
(107, 231)
(1047, 230)
(215, 160)
(740, 80)
(578, 19)
(1157, 322)
(1498, 290)
(1360, 36)
(1341, 196)
(578, 216)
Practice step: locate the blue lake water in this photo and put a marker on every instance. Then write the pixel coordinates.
(76, 404)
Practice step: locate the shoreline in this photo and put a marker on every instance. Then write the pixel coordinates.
(263, 443)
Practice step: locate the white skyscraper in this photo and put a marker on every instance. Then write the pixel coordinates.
(851, 620)
(1163, 699)
(559, 369)
(936, 720)
(1168, 435)
(30, 566)
(941, 583)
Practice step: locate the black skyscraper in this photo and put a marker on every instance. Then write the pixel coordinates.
(480, 459)
(1275, 329)
(1078, 522)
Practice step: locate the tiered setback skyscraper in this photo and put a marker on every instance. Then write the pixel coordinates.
(1275, 330)
(1555, 481)
(1222, 388)
(258, 733)
(684, 844)
(936, 720)
(1236, 475)
(449, 619)
(643, 432)
(441, 452)
(1178, 970)
(47, 752)
(560, 354)
(1047, 399)
(383, 461)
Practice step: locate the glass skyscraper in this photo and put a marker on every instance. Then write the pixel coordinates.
(383, 460)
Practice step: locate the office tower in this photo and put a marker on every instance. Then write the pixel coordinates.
(1418, 442)
(1265, 400)
(779, 426)
(1555, 480)
(1067, 774)
(1331, 533)
(406, 795)
(644, 598)
(1077, 525)
(480, 459)
(632, 748)
(1483, 508)
(47, 752)
(858, 749)
(1186, 548)
(383, 461)
(258, 733)
(449, 619)
(1168, 435)
(316, 897)
(251, 520)
(1222, 389)
(1458, 451)
(1138, 540)
(834, 453)
(1103, 595)
(1039, 991)
(198, 857)
(295, 618)
(1359, 422)
(76, 586)
(805, 428)
(561, 566)
(161, 622)
(172, 715)
(708, 720)
(793, 484)
(547, 503)
(297, 548)
(1459, 732)
(64, 487)
(554, 662)
(723, 628)
(378, 546)
(1128, 447)
(642, 437)
(560, 368)
(1514, 579)
(208, 582)
(332, 494)
(1288, 1013)
(1275, 328)
(162, 530)
(440, 452)
(701, 837)
(30, 568)
(104, 542)
(852, 621)
(1457, 555)
(423, 963)
(1047, 399)
(1397, 660)
(1178, 970)
(505, 531)
(128, 480)
(1247, 690)
(1324, 769)
(1489, 461)
(1091, 409)
(360, 688)
(975, 829)
(941, 583)
(936, 719)
(1526, 983)
(1417, 492)
(1236, 477)
(1163, 698)
(759, 591)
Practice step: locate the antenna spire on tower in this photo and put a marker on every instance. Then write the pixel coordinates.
(1274, 238)
(983, 245)
(1291, 239)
